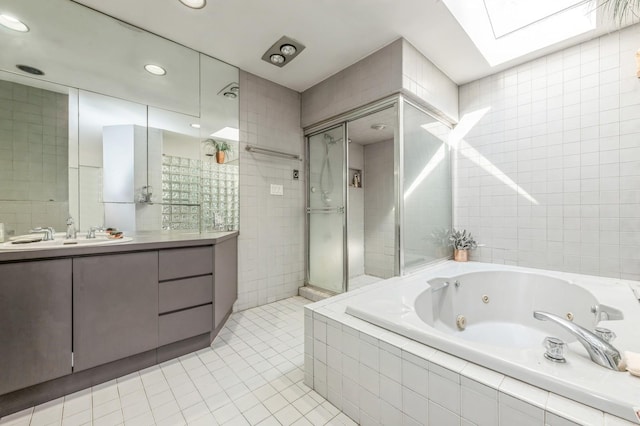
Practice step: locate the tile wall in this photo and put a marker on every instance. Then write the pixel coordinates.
(372, 78)
(397, 67)
(355, 219)
(33, 157)
(548, 175)
(379, 212)
(423, 79)
(271, 242)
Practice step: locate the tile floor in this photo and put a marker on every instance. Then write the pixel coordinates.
(251, 375)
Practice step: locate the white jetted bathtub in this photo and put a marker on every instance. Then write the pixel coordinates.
(484, 313)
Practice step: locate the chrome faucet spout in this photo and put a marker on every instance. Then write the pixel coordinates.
(440, 286)
(600, 352)
(47, 233)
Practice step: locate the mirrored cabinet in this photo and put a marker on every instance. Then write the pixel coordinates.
(95, 135)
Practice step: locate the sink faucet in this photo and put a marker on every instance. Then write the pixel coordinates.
(92, 231)
(71, 229)
(600, 352)
(48, 233)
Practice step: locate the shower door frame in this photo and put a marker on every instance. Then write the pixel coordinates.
(332, 123)
(402, 99)
(345, 208)
(398, 100)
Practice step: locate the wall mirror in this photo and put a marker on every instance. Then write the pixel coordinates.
(91, 136)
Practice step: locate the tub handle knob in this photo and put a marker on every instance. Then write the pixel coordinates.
(555, 349)
(605, 334)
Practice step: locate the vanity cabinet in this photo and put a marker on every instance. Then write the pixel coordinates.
(226, 279)
(186, 293)
(115, 307)
(80, 318)
(35, 322)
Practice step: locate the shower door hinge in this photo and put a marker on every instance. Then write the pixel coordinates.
(341, 209)
(71, 359)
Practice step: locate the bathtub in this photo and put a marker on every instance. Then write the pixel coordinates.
(483, 313)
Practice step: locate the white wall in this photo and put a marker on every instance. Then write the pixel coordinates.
(397, 67)
(33, 157)
(271, 241)
(379, 212)
(549, 176)
(372, 78)
(423, 79)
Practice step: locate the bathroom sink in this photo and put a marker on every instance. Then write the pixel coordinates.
(63, 243)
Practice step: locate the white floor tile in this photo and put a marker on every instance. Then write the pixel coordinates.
(252, 374)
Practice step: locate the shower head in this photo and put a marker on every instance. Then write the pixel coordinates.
(330, 140)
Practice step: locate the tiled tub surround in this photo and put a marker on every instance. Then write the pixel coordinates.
(376, 376)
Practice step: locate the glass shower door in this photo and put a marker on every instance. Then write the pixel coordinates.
(326, 202)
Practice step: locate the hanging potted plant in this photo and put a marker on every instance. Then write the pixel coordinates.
(218, 148)
(462, 242)
(221, 148)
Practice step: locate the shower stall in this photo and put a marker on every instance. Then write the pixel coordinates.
(379, 200)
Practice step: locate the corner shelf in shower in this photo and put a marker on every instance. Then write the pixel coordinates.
(352, 172)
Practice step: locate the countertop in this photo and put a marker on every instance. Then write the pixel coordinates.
(151, 240)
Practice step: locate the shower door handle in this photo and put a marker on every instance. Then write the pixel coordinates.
(327, 210)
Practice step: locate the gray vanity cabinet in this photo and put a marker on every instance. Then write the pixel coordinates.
(225, 279)
(35, 322)
(186, 293)
(115, 307)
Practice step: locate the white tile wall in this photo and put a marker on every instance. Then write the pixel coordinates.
(379, 214)
(33, 157)
(356, 215)
(549, 174)
(271, 241)
(374, 77)
(423, 79)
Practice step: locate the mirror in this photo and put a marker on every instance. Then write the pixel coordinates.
(122, 126)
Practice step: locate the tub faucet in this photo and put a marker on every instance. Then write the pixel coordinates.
(600, 352)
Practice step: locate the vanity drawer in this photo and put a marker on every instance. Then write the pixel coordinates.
(185, 262)
(185, 293)
(184, 324)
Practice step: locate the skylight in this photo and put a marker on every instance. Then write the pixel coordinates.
(503, 30)
(507, 16)
(229, 133)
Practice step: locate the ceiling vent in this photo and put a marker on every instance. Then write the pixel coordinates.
(283, 51)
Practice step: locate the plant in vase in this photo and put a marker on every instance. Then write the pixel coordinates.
(218, 148)
(462, 242)
(439, 238)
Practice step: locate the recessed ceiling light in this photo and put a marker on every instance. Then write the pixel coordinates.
(230, 95)
(288, 49)
(378, 126)
(13, 23)
(194, 4)
(195, 125)
(155, 69)
(276, 58)
(30, 70)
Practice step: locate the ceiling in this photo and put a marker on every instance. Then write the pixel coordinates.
(361, 132)
(336, 33)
